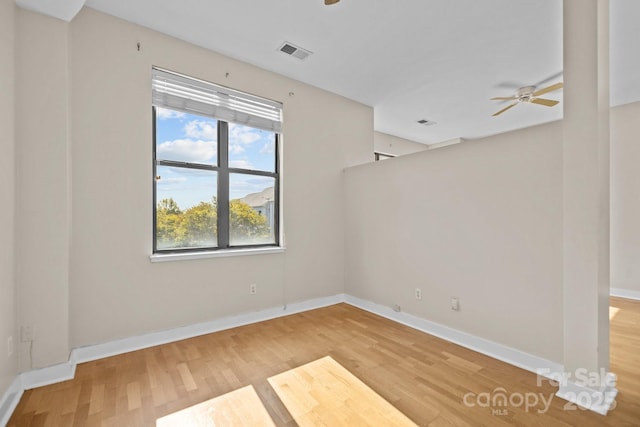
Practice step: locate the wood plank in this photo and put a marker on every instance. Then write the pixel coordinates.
(424, 377)
(323, 392)
(240, 407)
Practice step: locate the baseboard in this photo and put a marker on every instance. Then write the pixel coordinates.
(32, 379)
(529, 362)
(599, 401)
(625, 293)
(125, 345)
(10, 400)
(66, 371)
(49, 375)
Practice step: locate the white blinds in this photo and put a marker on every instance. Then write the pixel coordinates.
(197, 96)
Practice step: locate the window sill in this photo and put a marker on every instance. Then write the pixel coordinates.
(215, 254)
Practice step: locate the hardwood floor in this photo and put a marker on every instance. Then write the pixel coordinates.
(426, 378)
(241, 407)
(324, 393)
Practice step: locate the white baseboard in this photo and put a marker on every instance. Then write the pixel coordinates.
(625, 293)
(66, 371)
(599, 401)
(32, 379)
(125, 345)
(529, 362)
(10, 400)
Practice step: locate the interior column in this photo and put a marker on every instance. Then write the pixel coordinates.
(586, 206)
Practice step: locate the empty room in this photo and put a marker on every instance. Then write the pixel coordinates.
(320, 213)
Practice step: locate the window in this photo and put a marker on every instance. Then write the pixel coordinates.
(216, 172)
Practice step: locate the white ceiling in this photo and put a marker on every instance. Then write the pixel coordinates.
(439, 60)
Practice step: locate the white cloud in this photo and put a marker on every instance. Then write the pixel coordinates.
(163, 114)
(243, 134)
(236, 149)
(187, 150)
(200, 129)
(241, 164)
(169, 181)
(268, 148)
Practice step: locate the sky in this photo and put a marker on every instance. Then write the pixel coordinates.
(190, 138)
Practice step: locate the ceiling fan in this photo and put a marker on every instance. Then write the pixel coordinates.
(531, 95)
(328, 2)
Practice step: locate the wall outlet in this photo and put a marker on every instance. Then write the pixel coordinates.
(418, 293)
(27, 333)
(455, 304)
(252, 289)
(396, 308)
(10, 346)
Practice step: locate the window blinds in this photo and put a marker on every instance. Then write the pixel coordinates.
(191, 95)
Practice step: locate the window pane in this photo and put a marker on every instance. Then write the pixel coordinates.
(186, 210)
(251, 209)
(183, 137)
(251, 148)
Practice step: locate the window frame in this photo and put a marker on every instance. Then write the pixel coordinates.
(223, 200)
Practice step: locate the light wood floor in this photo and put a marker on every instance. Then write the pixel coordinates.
(424, 377)
(324, 393)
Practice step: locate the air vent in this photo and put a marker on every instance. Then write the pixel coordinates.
(426, 122)
(295, 51)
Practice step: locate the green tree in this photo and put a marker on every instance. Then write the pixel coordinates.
(245, 223)
(201, 225)
(198, 225)
(169, 220)
(169, 206)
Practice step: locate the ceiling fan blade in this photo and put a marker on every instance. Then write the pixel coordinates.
(548, 89)
(545, 102)
(502, 98)
(505, 109)
(328, 2)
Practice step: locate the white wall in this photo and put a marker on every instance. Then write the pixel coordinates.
(84, 189)
(42, 180)
(389, 144)
(480, 221)
(8, 364)
(115, 290)
(625, 197)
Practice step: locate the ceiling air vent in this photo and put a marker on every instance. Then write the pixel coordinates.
(295, 51)
(426, 122)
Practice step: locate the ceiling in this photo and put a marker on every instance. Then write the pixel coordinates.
(439, 60)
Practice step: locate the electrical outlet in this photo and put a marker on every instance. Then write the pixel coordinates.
(252, 289)
(455, 304)
(10, 346)
(418, 293)
(27, 333)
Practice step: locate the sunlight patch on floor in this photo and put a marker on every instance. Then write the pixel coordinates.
(241, 407)
(612, 312)
(324, 393)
